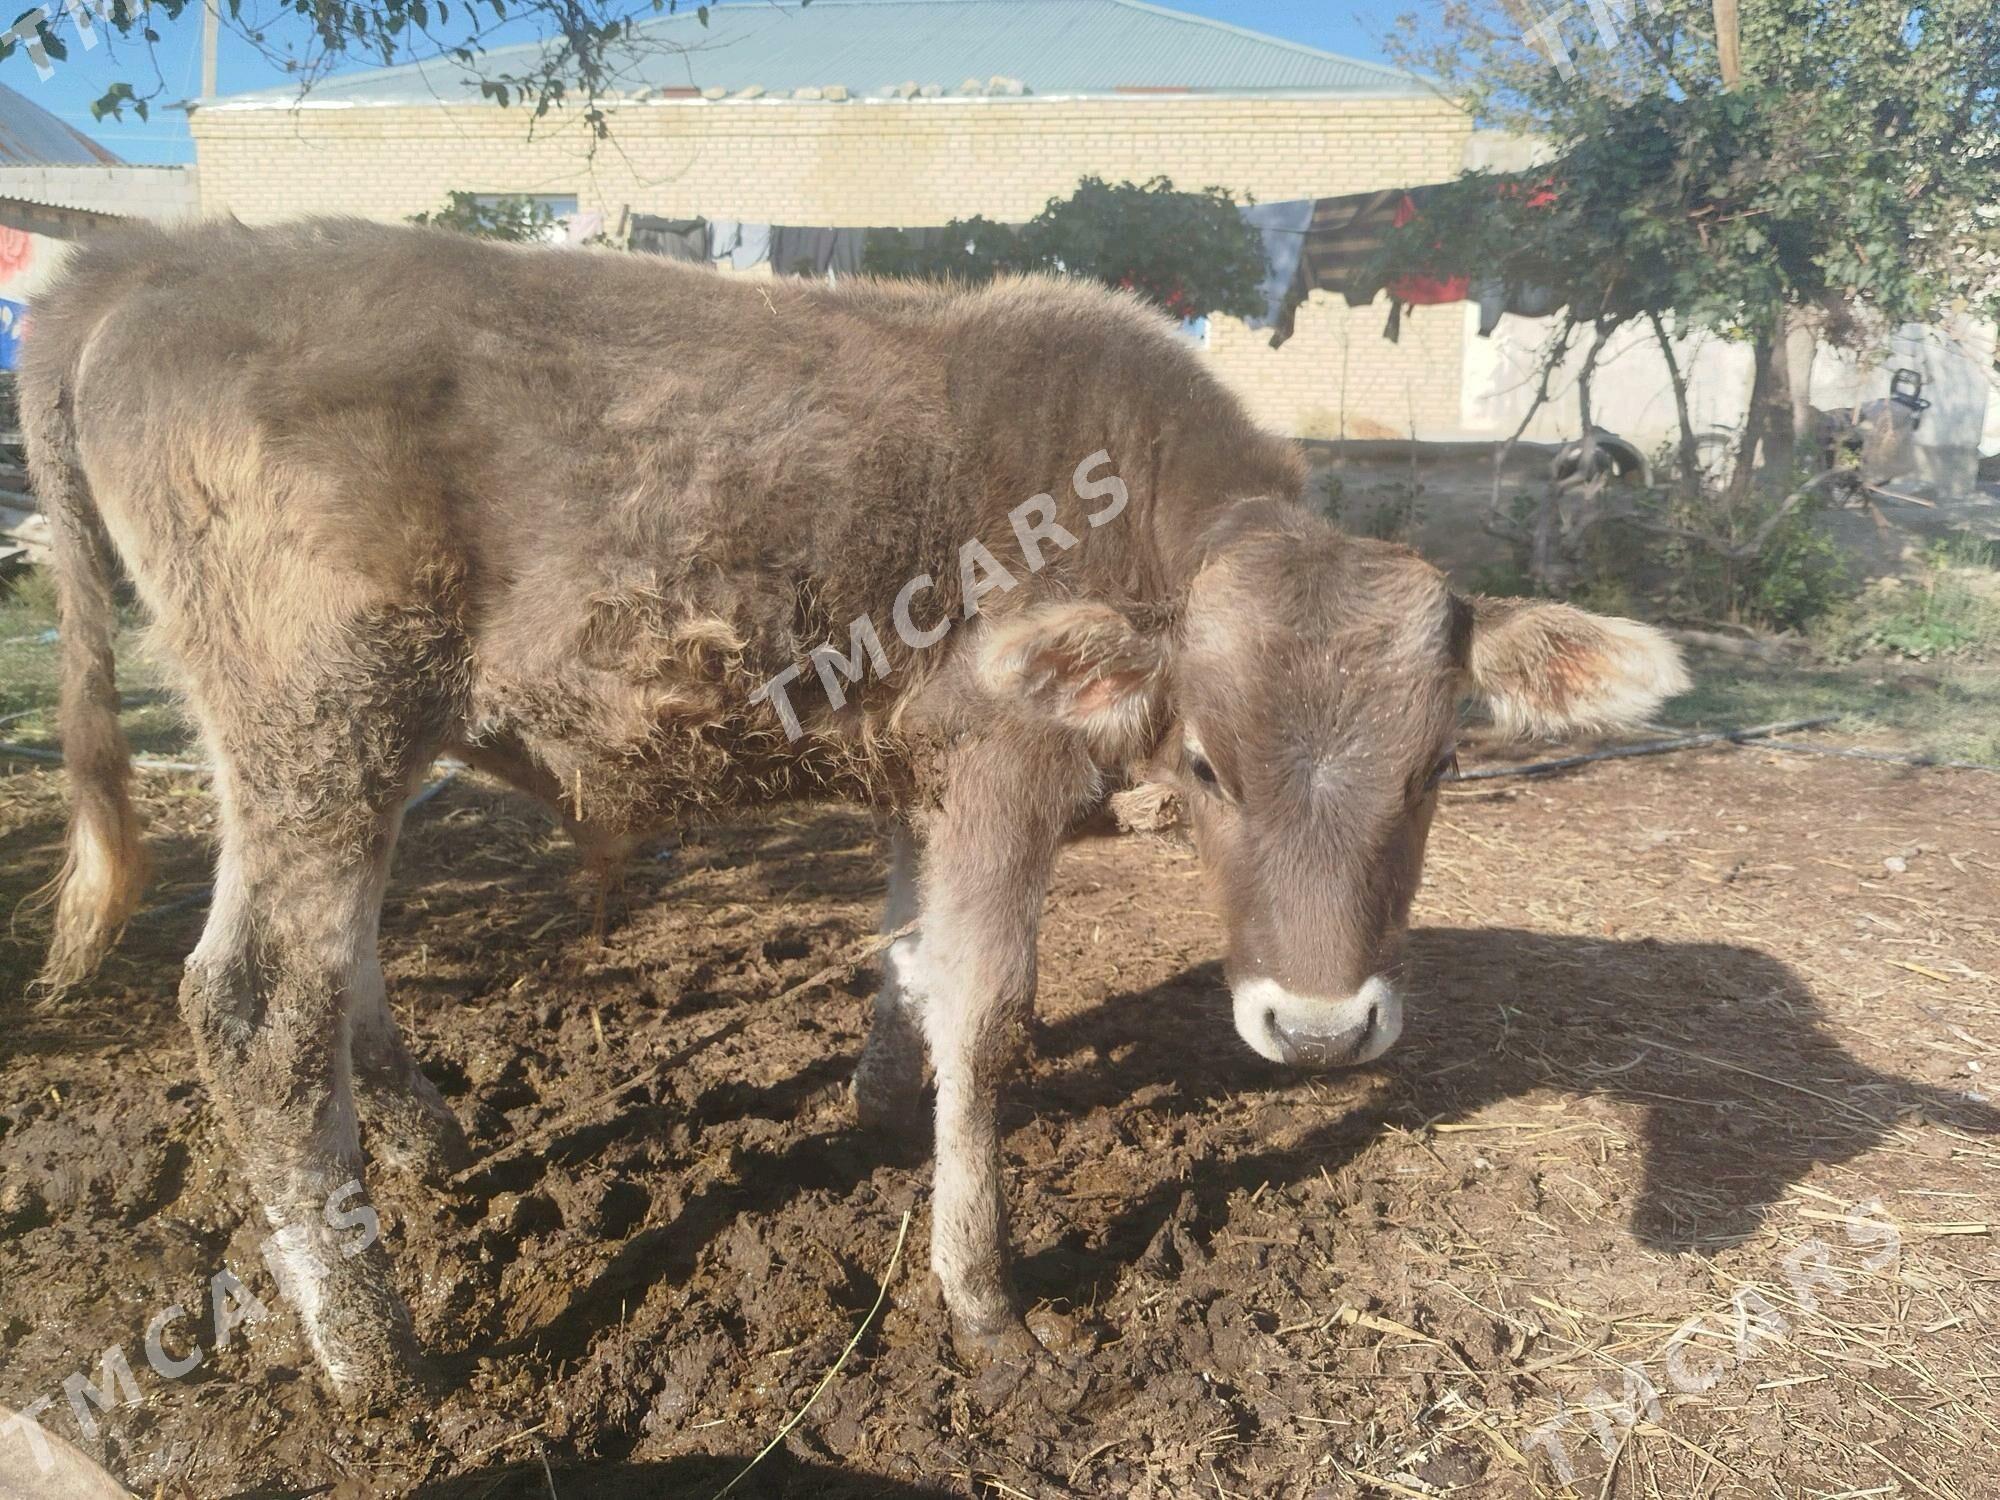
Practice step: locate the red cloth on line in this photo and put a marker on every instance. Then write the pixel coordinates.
(1425, 291)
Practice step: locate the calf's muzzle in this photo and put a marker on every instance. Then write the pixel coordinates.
(1313, 1031)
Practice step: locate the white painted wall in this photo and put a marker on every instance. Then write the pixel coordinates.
(1631, 395)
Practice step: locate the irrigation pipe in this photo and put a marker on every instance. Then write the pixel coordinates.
(1649, 747)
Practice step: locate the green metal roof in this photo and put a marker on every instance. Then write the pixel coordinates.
(874, 47)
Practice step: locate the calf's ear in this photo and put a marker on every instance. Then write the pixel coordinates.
(1551, 671)
(1084, 665)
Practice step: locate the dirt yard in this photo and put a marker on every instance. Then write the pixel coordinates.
(1677, 1020)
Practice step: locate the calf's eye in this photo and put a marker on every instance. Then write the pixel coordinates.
(1203, 771)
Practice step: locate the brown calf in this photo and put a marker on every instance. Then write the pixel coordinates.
(650, 542)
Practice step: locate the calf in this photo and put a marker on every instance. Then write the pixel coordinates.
(649, 542)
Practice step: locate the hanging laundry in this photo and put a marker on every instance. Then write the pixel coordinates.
(797, 251)
(753, 246)
(1497, 296)
(676, 239)
(582, 228)
(850, 246)
(1283, 226)
(13, 323)
(724, 235)
(1525, 289)
(1342, 253)
(1342, 243)
(1424, 291)
(742, 242)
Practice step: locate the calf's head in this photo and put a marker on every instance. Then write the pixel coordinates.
(1304, 699)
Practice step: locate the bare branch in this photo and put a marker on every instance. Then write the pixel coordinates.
(1754, 545)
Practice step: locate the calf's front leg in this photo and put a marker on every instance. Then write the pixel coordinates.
(970, 968)
(408, 1122)
(889, 1079)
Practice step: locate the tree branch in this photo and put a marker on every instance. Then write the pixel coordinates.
(1755, 543)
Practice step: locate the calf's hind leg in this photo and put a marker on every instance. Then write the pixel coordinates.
(269, 995)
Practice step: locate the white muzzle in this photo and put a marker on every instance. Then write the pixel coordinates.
(1314, 1032)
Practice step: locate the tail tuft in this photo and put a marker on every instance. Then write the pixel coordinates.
(102, 878)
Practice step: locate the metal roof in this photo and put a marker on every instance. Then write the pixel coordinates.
(57, 220)
(872, 48)
(32, 137)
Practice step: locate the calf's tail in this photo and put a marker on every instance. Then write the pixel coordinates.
(104, 869)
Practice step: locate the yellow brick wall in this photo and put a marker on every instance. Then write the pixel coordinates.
(1338, 377)
(901, 163)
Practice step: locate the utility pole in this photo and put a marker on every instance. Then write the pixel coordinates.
(1728, 42)
(213, 35)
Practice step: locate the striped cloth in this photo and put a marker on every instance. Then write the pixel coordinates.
(1343, 246)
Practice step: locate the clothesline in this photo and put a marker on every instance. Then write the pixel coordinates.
(1310, 244)
(1335, 245)
(789, 249)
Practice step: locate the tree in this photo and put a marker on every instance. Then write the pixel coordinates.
(1848, 182)
(1189, 253)
(1854, 171)
(515, 219)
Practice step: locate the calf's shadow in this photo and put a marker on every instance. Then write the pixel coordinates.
(1742, 1088)
(1725, 1050)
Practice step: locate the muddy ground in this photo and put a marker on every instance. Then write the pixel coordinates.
(1676, 1019)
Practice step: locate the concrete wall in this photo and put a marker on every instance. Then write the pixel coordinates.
(160, 193)
(1956, 362)
(905, 162)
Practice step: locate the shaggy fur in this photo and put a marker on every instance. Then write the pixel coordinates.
(389, 493)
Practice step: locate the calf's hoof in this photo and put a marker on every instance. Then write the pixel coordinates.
(414, 1131)
(354, 1320)
(997, 1342)
(372, 1361)
(1043, 1333)
(407, 1137)
(389, 1384)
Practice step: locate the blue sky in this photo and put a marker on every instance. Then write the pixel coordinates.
(1353, 27)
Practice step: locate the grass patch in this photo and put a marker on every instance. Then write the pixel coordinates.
(1950, 609)
(1953, 714)
(29, 669)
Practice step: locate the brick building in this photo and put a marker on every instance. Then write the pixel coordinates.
(908, 112)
